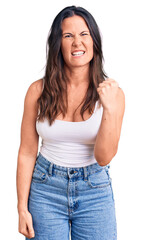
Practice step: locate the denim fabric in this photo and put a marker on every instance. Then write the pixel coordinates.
(72, 201)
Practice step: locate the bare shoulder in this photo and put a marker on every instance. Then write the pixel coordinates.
(34, 91)
(29, 136)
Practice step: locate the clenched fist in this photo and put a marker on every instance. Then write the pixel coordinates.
(26, 224)
(108, 92)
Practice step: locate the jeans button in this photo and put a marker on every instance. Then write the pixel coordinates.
(71, 171)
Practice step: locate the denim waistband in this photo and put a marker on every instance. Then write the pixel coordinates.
(69, 171)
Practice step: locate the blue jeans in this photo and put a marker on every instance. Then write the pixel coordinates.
(77, 199)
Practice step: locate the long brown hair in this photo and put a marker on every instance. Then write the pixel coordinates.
(53, 99)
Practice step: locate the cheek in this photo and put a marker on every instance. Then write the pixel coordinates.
(65, 48)
(66, 54)
(91, 50)
(89, 44)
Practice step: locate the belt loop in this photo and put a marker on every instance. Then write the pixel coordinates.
(50, 168)
(85, 174)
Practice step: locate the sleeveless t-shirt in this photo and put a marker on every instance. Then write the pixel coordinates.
(70, 144)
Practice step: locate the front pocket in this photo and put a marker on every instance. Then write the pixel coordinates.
(99, 179)
(40, 174)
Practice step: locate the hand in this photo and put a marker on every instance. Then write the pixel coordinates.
(108, 92)
(25, 224)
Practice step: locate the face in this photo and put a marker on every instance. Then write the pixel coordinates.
(77, 43)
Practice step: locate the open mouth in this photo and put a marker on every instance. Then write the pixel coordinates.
(78, 53)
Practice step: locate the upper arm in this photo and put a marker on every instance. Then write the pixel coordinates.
(29, 135)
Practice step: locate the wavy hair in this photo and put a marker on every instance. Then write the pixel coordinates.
(53, 99)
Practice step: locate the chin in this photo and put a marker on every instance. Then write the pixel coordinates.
(79, 63)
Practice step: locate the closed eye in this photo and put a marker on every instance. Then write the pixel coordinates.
(67, 36)
(84, 34)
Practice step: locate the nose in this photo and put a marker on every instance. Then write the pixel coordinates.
(76, 41)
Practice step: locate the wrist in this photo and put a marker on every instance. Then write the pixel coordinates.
(22, 207)
(109, 110)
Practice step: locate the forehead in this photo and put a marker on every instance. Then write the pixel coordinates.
(74, 24)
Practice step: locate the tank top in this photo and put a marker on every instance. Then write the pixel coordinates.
(70, 144)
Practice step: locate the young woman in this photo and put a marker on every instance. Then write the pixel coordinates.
(77, 111)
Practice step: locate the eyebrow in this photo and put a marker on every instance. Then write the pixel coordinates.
(80, 33)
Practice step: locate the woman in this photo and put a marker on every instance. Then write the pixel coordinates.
(78, 113)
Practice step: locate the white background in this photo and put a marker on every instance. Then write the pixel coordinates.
(24, 30)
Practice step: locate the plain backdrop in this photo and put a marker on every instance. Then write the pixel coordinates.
(24, 29)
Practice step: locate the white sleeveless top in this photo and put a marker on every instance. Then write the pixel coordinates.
(70, 144)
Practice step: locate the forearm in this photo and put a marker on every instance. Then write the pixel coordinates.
(25, 168)
(107, 138)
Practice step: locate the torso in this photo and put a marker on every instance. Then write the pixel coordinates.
(75, 97)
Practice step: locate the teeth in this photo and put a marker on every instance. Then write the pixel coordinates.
(78, 53)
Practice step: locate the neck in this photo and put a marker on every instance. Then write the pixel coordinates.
(77, 76)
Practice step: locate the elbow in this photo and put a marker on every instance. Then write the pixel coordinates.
(104, 159)
(103, 162)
